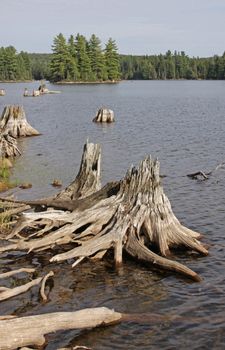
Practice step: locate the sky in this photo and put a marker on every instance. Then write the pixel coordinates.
(139, 27)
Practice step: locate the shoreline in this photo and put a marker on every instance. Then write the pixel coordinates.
(64, 82)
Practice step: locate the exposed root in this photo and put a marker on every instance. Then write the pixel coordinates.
(133, 214)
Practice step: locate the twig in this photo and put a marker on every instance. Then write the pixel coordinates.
(42, 289)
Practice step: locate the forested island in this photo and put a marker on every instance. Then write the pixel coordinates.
(78, 59)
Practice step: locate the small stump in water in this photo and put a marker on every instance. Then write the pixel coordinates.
(13, 122)
(104, 115)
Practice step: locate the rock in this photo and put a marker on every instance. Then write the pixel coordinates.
(25, 185)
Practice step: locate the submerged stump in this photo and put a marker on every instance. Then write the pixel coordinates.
(132, 215)
(104, 115)
(13, 121)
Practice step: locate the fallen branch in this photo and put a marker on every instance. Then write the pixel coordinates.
(30, 330)
(203, 175)
(15, 272)
(7, 293)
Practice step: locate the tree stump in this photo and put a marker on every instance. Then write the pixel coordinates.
(8, 146)
(104, 115)
(13, 121)
(132, 215)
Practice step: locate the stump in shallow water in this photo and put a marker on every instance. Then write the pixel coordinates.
(104, 115)
(132, 215)
(13, 121)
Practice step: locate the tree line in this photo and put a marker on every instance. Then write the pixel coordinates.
(14, 66)
(79, 59)
(175, 65)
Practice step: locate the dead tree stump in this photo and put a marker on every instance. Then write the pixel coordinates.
(8, 146)
(104, 115)
(13, 121)
(132, 215)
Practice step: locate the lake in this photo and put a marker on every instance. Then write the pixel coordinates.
(182, 123)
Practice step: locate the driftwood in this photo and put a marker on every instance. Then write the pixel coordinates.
(104, 115)
(13, 122)
(132, 215)
(200, 175)
(8, 146)
(30, 330)
(7, 293)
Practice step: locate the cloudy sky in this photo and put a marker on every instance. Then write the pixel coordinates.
(138, 26)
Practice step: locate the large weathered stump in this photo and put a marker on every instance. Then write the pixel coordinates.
(132, 215)
(104, 115)
(13, 121)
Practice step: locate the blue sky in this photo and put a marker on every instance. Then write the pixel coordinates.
(138, 26)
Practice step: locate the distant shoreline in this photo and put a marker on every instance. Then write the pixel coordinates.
(64, 82)
(16, 81)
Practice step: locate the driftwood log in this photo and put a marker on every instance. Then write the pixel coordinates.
(104, 115)
(132, 215)
(30, 330)
(200, 175)
(13, 122)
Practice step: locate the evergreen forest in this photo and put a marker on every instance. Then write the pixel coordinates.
(78, 59)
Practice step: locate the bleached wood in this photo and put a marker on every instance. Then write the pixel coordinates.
(15, 272)
(133, 214)
(8, 146)
(30, 330)
(14, 123)
(42, 289)
(12, 292)
(104, 115)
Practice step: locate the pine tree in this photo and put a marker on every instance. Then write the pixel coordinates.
(10, 61)
(112, 60)
(84, 63)
(60, 57)
(72, 60)
(97, 58)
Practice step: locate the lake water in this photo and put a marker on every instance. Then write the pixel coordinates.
(183, 124)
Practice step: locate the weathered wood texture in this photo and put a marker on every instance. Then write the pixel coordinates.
(132, 215)
(13, 122)
(30, 330)
(8, 146)
(7, 293)
(104, 115)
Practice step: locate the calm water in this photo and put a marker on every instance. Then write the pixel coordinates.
(183, 124)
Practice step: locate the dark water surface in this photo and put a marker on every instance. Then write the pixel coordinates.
(183, 124)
